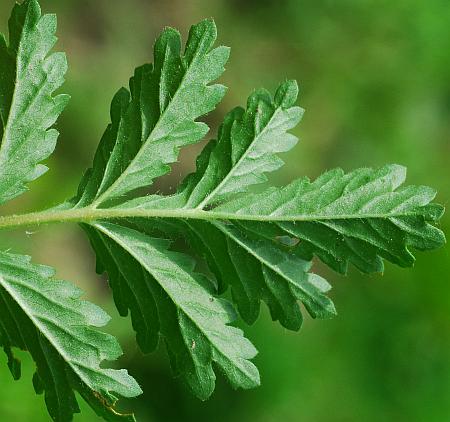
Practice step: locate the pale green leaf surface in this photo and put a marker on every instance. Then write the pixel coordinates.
(247, 147)
(28, 78)
(47, 318)
(168, 299)
(257, 269)
(260, 245)
(150, 124)
(358, 217)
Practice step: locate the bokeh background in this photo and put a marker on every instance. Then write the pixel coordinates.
(375, 82)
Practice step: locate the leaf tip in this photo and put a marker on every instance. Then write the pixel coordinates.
(287, 94)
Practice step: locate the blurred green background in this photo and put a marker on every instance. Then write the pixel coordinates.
(375, 82)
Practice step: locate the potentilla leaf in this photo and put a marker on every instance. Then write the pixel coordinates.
(247, 147)
(261, 246)
(28, 78)
(359, 218)
(158, 116)
(169, 299)
(256, 267)
(47, 318)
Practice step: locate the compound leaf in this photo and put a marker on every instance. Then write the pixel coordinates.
(359, 218)
(261, 245)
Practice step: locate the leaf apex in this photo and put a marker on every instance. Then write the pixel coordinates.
(287, 94)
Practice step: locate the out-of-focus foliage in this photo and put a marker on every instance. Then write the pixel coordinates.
(375, 84)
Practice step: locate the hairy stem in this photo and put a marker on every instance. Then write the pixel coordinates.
(89, 214)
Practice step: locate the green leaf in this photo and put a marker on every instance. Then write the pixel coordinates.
(257, 269)
(247, 147)
(260, 245)
(359, 217)
(285, 275)
(46, 317)
(28, 78)
(148, 128)
(151, 124)
(168, 299)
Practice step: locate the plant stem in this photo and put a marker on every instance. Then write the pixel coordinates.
(89, 214)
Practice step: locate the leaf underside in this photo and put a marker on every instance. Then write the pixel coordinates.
(152, 121)
(168, 299)
(260, 245)
(29, 75)
(37, 313)
(238, 236)
(45, 317)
